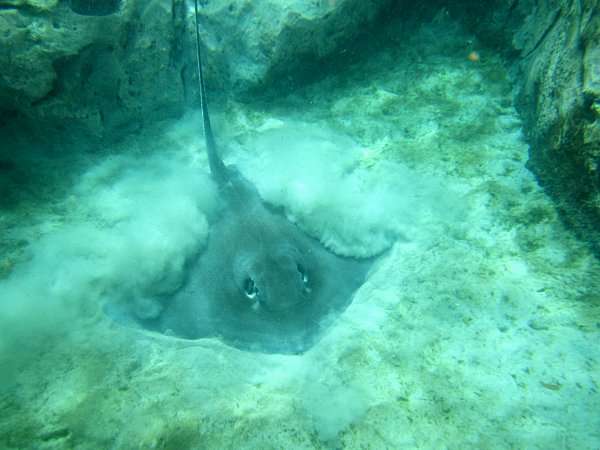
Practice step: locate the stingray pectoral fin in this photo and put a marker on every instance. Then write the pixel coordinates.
(186, 314)
(344, 277)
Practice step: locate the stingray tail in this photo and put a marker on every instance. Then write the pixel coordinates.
(217, 168)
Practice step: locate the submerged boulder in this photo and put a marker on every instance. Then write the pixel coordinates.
(105, 75)
(251, 44)
(92, 75)
(553, 52)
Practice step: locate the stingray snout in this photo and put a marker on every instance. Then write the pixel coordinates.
(278, 289)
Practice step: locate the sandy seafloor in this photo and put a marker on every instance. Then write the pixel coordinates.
(479, 328)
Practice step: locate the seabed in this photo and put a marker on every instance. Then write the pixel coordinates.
(478, 329)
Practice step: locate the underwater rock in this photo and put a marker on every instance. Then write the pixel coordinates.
(89, 75)
(105, 76)
(553, 51)
(250, 43)
(562, 124)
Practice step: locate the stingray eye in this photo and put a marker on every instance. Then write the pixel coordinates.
(302, 272)
(250, 288)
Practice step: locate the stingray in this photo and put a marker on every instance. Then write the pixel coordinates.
(261, 283)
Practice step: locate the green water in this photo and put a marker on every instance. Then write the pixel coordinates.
(479, 328)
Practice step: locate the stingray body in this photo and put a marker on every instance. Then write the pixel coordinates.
(260, 283)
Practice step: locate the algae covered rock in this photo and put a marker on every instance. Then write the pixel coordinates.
(93, 75)
(557, 93)
(553, 53)
(105, 76)
(250, 44)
